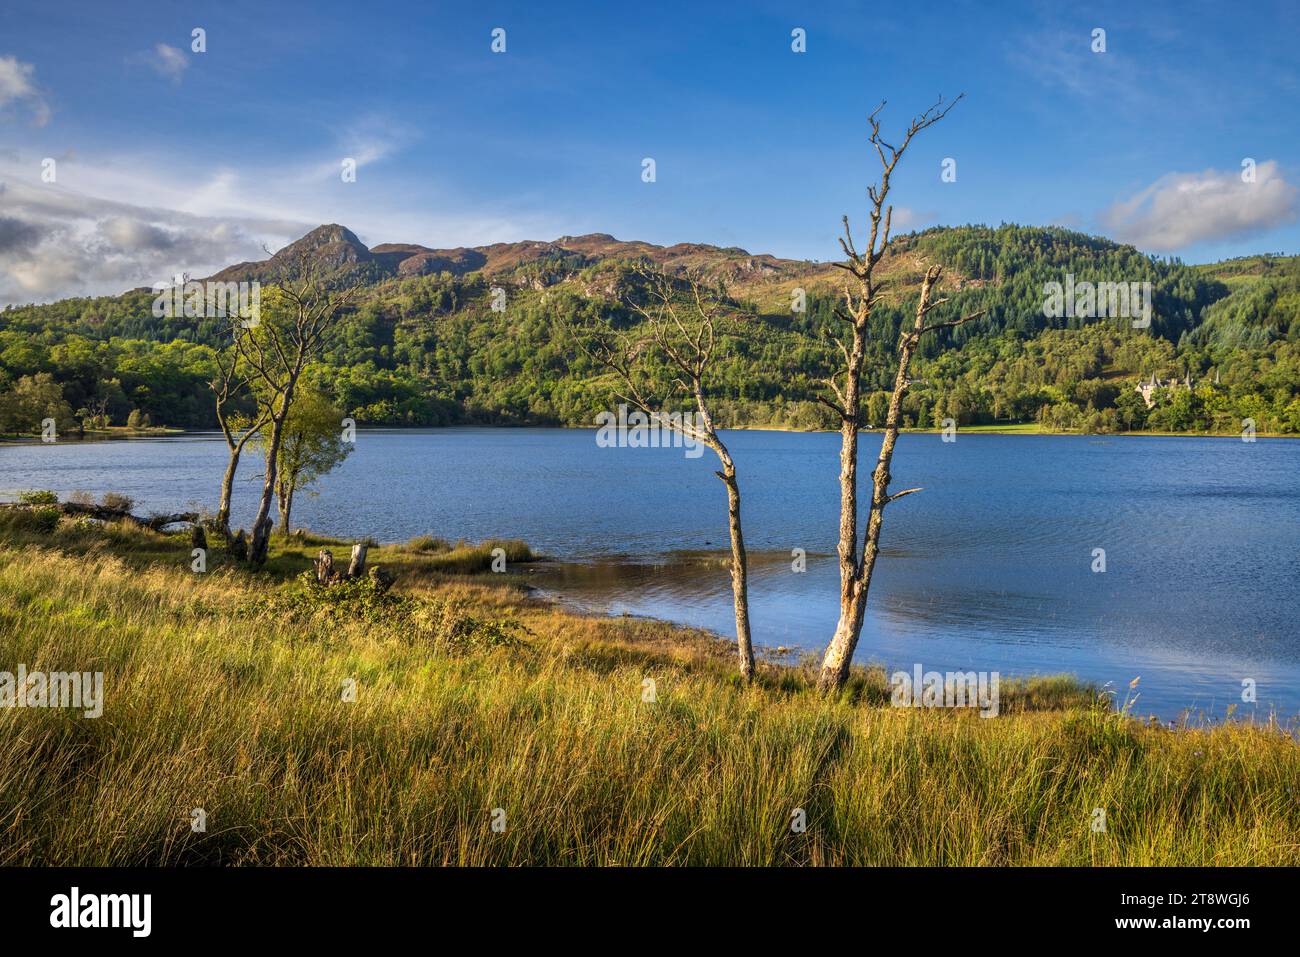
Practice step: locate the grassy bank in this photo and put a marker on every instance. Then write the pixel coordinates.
(225, 692)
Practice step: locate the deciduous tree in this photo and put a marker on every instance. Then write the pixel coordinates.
(297, 314)
(311, 445)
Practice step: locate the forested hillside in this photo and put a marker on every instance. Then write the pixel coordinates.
(423, 346)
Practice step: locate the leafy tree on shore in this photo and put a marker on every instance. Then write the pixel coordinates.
(30, 401)
(296, 316)
(311, 445)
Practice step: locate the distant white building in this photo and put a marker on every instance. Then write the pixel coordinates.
(1149, 389)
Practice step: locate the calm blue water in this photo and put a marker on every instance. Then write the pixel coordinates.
(987, 569)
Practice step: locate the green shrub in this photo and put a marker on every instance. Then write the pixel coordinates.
(41, 521)
(435, 620)
(467, 632)
(38, 497)
(348, 599)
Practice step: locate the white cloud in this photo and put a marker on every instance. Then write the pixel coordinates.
(18, 87)
(370, 139)
(1184, 208)
(15, 79)
(169, 62)
(57, 242)
(905, 218)
(71, 239)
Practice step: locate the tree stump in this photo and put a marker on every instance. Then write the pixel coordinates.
(238, 546)
(325, 567)
(358, 563)
(382, 579)
(198, 538)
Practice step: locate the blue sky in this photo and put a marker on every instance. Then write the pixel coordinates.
(167, 159)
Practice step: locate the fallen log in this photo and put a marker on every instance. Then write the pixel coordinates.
(156, 522)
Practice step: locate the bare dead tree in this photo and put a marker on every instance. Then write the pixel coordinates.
(861, 295)
(232, 380)
(680, 323)
(303, 306)
(98, 409)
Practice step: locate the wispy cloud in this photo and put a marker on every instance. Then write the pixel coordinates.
(168, 61)
(370, 139)
(905, 217)
(18, 89)
(58, 241)
(1134, 76)
(1184, 208)
(1063, 61)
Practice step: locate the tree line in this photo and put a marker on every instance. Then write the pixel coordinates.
(429, 351)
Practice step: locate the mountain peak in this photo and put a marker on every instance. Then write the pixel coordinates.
(331, 245)
(336, 245)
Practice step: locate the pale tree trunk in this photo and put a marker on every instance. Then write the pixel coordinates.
(284, 499)
(262, 524)
(852, 598)
(357, 564)
(312, 301)
(739, 557)
(228, 480)
(687, 342)
(223, 388)
(855, 577)
(227, 489)
(855, 572)
(739, 568)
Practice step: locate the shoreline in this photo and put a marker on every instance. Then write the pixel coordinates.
(1017, 429)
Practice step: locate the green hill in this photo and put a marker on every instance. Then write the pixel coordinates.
(423, 347)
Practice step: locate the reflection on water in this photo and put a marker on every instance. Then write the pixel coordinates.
(989, 568)
(942, 626)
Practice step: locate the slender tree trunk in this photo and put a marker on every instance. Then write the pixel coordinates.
(227, 480)
(236, 447)
(739, 557)
(282, 502)
(227, 489)
(262, 524)
(855, 577)
(835, 666)
(739, 569)
(855, 572)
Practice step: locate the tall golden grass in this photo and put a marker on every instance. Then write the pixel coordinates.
(214, 700)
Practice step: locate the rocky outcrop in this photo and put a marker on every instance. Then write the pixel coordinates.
(337, 247)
